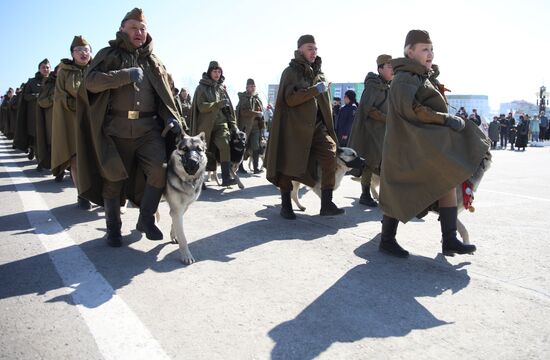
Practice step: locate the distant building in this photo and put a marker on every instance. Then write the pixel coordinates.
(520, 107)
(336, 90)
(469, 102)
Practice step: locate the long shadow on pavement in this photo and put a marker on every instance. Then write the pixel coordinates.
(373, 300)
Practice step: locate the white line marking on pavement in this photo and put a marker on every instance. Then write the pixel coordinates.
(515, 195)
(118, 332)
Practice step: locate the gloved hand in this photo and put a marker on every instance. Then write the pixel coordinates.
(136, 74)
(174, 125)
(223, 103)
(321, 86)
(454, 122)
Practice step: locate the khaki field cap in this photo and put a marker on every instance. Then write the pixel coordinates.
(45, 61)
(383, 59)
(417, 36)
(306, 39)
(134, 14)
(79, 41)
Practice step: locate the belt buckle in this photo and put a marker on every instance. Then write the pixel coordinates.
(133, 115)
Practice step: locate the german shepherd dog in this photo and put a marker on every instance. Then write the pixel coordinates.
(237, 147)
(184, 178)
(473, 183)
(263, 147)
(346, 159)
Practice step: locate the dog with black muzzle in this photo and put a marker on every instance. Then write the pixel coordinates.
(237, 147)
(184, 179)
(346, 159)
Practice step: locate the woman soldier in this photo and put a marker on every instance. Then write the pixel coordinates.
(69, 77)
(427, 152)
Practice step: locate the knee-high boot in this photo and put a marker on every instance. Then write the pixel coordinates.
(450, 244)
(147, 210)
(388, 243)
(112, 219)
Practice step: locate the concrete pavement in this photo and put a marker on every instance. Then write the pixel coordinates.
(265, 287)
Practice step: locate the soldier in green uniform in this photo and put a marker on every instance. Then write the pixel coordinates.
(13, 106)
(5, 113)
(123, 105)
(302, 133)
(186, 104)
(26, 116)
(44, 121)
(70, 74)
(250, 119)
(427, 152)
(369, 127)
(213, 113)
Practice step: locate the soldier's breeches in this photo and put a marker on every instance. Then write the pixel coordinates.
(149, 152)
(323, 148)
(366, 176)
(220, 138)
(254, 140)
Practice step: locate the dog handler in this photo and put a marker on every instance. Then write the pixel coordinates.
(369, 128)
(427, 152)
(123, 105)
(302, 133)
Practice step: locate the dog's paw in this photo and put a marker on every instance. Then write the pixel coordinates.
(187, 258)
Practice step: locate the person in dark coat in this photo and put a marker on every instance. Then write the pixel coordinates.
(512, 136)
(522, 137)
(504, 127)
(427, 152)
(494, 131)
(345, 118)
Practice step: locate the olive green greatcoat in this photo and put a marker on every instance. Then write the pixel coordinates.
(4, 116)
(12, 119)
(247, 118)
(69, 79)
(422, 161)
(44, 122)
(97, 155)
(26, 114)
(296, 111)
(369, 126)
(207, 104)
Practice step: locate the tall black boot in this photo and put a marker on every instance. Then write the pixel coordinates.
(112, 218)
(241, 169)
(451, 245)
(83, 203)
(286, 206)
(328, 208)
(147, 210)
(31, 154)
(256, 161)
(226, 178)
(366, 198)
(388, 243)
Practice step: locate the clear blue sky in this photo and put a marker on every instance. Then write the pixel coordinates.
(494, 48)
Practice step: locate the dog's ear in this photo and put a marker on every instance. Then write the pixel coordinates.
(202, 136)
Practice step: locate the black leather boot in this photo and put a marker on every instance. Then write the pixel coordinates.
(450, 244)
(84, 204)
(241, 169)
(112, 218)
(388, 243)
(328, 208)
(256, 161)
(31, 154)
(286, 206)
(226, 178)
(366, 198)
(147, 210)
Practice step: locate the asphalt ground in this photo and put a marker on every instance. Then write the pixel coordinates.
(264, 287)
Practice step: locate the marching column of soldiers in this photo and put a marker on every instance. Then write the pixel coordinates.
(112, 120)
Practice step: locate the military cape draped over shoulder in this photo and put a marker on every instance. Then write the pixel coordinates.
(97, 155)
(21, 139)
(421, 162)
(294, 121)
(44, 111)
(367, 134)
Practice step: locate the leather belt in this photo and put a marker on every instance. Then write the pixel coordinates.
(132, 114)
